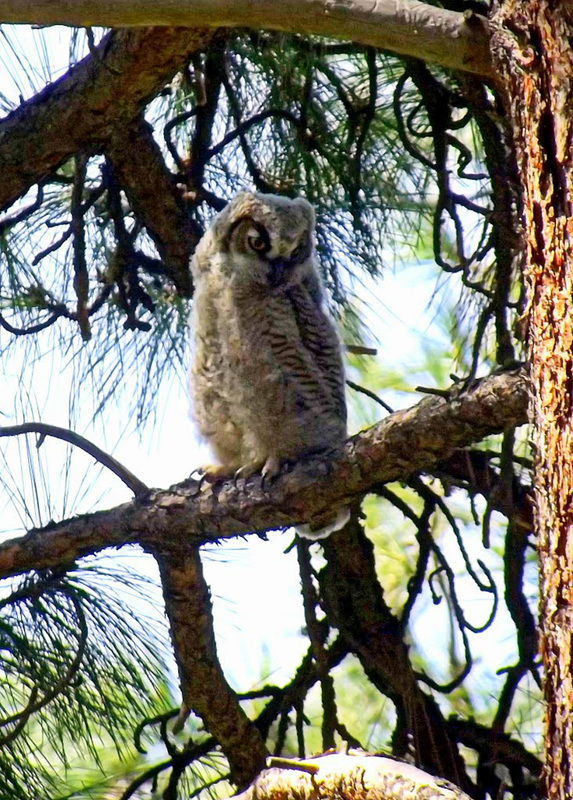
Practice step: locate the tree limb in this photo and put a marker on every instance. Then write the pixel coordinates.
(203, 684)
(405, 443)
(140, 169)
(354, 603)
(84, 109)
(408, 27)
(138, 488)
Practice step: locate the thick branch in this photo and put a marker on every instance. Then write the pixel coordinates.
(404, 26)
(348, 776)
(403, 444)
(203, 684)
(140, 169)
(83, 110)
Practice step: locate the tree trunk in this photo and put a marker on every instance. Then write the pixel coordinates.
(532, 49)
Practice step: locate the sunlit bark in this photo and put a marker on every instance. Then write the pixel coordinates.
(533, 49)
(404, 26)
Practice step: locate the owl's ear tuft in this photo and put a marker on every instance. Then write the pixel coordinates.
(226, 217)
(308, 210)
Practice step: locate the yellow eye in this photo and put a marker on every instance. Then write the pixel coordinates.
(257, 241)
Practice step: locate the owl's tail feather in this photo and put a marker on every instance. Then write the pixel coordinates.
(311, 530)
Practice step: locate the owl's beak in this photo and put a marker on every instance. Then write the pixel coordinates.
(278, 269)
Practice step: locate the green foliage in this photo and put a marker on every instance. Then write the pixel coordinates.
(78, 670)
(395, 158)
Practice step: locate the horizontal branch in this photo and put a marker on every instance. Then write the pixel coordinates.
(408, 27)
(403, 444)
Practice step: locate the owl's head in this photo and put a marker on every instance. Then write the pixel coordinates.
(265, 239)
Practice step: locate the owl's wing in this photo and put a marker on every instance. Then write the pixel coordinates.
(318, 337)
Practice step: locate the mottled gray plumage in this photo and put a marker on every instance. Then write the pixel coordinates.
(267, 375)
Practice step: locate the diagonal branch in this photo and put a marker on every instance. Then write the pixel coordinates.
(140, 169)
(138, 488)
(409, 27)
(403, 444)
(354, 603)
(83, 110)
(203, 684)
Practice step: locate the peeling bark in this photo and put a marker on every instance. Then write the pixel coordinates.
(532, 47)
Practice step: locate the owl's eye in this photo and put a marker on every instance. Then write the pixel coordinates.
(258, 241)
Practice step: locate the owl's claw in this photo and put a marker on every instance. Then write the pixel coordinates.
(199, 478)
(270, 470)
(214, 472)
(247, 470)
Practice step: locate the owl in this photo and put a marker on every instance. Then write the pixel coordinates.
(267, 380)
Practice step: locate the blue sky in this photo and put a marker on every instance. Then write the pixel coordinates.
(255, 585)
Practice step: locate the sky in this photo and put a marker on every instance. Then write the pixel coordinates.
(255, 583)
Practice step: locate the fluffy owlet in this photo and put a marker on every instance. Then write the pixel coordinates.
(267, 376)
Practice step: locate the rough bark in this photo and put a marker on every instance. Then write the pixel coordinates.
(85, 106)
(404, 26)
(203, 685)
(532, 49)
(83, 111)
(348, 777)
(140, 169)
(403, 444)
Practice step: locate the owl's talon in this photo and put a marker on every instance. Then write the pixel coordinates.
(271, 469)
(247, 470)
(214, 472)
(199, 480)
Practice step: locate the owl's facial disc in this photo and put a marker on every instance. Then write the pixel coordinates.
(269, 255)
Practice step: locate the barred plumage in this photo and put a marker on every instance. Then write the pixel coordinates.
(267, 376)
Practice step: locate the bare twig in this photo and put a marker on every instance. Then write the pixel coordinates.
(293, 763)
(372, 395)
(139, 489)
